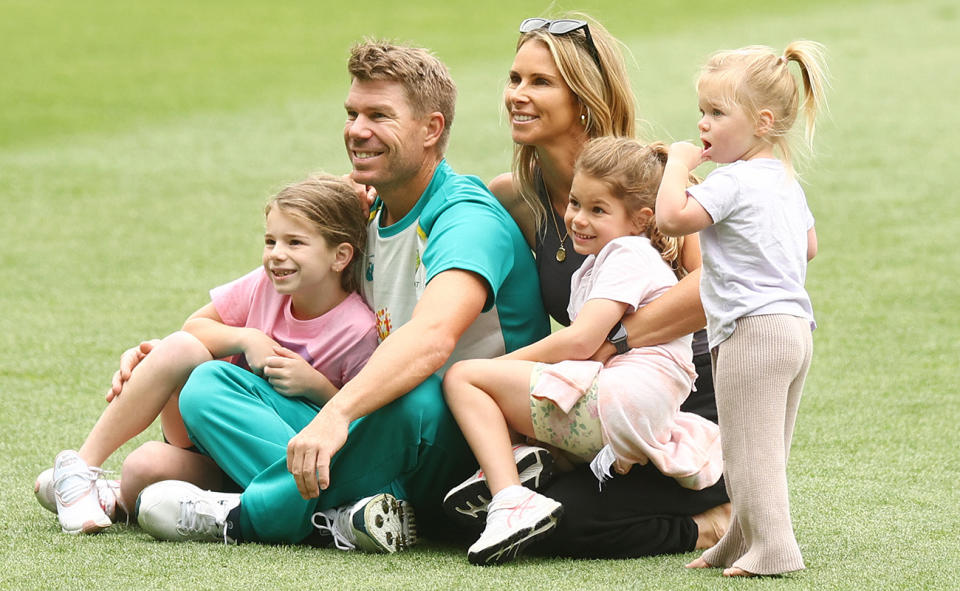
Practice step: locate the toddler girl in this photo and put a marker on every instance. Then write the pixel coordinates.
(757, 235)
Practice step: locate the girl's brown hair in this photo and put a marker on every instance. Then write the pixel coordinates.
(633, 172)
(329, 203)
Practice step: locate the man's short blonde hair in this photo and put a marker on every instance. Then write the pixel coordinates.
(424, 78)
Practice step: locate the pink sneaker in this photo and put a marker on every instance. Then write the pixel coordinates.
(75, 492)
(516, 517)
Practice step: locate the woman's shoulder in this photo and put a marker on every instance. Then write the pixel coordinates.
(504, 189)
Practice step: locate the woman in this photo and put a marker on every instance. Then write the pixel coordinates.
(568, 84)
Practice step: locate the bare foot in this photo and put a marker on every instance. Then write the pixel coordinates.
(698, 563)
(711, 525)
(736, 572)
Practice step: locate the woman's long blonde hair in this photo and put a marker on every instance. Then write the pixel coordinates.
(602, 90)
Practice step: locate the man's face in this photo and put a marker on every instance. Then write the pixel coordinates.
(383, 136)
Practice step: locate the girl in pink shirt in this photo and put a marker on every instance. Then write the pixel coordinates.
(297, 321)
(615, 414)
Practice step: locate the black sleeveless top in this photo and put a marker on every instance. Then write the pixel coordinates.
(554, 275)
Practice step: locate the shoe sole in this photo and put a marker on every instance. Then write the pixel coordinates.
(467, 502)
(510, 547)
(385, 525)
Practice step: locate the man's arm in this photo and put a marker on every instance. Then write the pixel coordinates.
(450, 303)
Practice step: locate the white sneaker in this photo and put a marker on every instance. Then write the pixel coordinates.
(512, 523)
(380, 524)
(108, 491)
(75, 495)
(467, 502)
(179, 511)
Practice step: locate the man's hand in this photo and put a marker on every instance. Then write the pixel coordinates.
(128, 361)
(366, 194)
(310, 451)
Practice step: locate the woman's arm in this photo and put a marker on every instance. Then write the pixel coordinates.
(521, 212)
(676, 313)
(579, 340)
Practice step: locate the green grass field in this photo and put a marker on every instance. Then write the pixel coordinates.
(138, 142)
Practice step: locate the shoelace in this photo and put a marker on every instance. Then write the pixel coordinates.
(73, 486)
(337, 527)
(201, 517)
(108, 491)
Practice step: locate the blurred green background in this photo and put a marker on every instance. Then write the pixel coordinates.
(139, 141)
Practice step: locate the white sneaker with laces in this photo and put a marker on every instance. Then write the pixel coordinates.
(515, 519)
(467, 502)
(179, 511)
(380, 524)
(108, 491)
(75, 495)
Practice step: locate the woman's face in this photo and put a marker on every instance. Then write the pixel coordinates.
(541, 107)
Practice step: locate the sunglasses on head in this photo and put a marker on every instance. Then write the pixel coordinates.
(562, 26)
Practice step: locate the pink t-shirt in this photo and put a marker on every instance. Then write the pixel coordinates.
(337, 343)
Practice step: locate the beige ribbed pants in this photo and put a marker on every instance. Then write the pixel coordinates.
(758, 376)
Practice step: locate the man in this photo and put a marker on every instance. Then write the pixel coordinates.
(449, 276)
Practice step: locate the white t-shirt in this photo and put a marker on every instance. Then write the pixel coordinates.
(755, 253)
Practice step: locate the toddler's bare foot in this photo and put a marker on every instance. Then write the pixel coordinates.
(736, 572)
(711, 525)
(698, 563)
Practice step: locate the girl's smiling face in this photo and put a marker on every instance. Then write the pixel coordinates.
(299, 260)
(595, 216)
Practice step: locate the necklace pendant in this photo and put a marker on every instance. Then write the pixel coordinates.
(561, 254)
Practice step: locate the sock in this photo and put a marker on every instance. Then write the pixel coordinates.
(511, 492)
(233, 524)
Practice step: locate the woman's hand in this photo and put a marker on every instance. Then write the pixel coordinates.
(128, 361)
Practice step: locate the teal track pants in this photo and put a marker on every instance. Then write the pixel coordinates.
(411, 448)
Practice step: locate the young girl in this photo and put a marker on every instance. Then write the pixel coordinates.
(619, 413)
(757, 235)
(297, 320)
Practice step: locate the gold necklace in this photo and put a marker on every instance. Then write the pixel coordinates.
(561, 252)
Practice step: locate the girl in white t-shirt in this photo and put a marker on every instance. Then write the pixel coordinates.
(757, 235)
(623, 412)
(298, 321)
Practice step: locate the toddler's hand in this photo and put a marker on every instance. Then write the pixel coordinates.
(690, 155)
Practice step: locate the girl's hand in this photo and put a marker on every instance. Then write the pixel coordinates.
(688, 154)
(257, 347)
(291, 375)
(128, 361)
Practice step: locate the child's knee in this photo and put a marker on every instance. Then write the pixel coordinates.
(458, 376)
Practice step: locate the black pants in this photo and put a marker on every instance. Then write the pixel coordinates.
(642, 513)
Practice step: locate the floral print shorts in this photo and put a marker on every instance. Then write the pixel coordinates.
(578, 432)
